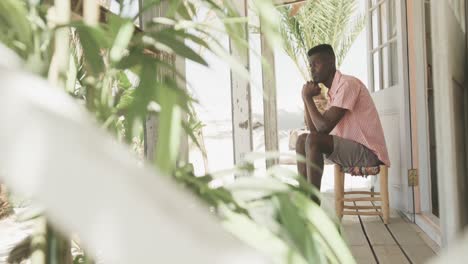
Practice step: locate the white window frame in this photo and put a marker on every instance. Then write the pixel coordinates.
(376, 7)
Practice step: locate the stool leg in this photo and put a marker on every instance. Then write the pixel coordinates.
(384, 193)
(339, 191)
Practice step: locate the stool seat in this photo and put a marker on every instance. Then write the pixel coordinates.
(361, 171)
(340, 195)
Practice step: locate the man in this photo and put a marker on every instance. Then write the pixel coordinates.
(349, 132)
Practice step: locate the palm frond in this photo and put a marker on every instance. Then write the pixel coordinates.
(334, 22)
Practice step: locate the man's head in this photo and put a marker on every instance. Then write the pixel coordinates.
(322, 62)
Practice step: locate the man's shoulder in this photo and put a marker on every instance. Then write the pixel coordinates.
(351, 80)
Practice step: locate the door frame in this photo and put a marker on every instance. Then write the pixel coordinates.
(403, 108)
(405, 127)
(452, 209)
(424, 217)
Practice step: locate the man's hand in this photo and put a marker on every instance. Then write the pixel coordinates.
(310, 89)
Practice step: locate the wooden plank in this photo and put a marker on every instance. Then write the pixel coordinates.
(362, 254)
(419, 254)
(376, 231)
(411, 242)
(356, 239)
(240, 94)
(270, 113)
(375, 228)
(385, 247)
(404, 233)
(390, 254)
(429, 242)
(354, 235)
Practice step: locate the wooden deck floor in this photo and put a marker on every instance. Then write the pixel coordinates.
(373, 242)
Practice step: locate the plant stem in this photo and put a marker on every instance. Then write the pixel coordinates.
(60, 59)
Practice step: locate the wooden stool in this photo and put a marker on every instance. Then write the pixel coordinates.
(381, 196)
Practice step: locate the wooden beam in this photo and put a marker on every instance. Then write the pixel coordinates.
(362, 192)
(362, 207)
(151, 122)
(270, 113)
(184, 145)
(287, 2)
(361, 199)
(361, 213)
(240, 95)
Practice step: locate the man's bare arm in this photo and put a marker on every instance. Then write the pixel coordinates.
(308, 121)
(326, 122)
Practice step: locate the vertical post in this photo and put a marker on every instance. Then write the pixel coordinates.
(91, 18)
(57, 247)
(184, 147)
(339, 191)
(59, 64)
(384, 193)
(370, 59)
(91, 12)
(270, 116)
(151, 120)
(240, 94)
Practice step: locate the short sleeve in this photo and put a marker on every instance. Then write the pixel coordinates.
(346, 96)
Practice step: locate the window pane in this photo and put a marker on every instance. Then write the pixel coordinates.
(393, 64)
(386, 66)
(130, 8)
(377, 85)
(392, 18)
(375, 30)
(384, 22)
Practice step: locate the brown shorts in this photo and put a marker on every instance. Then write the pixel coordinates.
(348, 153)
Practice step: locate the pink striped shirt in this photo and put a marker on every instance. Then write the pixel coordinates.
(361, 123)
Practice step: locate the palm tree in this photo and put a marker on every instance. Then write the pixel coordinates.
(316, 22)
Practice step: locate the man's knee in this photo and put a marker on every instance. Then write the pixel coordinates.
(319, 142)
(301, 143)
(312, 140)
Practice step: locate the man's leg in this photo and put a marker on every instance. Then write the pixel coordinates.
(301, 150)
(316, 145)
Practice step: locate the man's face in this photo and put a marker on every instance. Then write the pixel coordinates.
(321, 66)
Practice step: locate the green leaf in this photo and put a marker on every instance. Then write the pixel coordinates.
(324, 227)
(16, 28)
(168, 138)
(92, 41)
(165, 40)
(121, 41)
(296, 229)
(259, 237)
